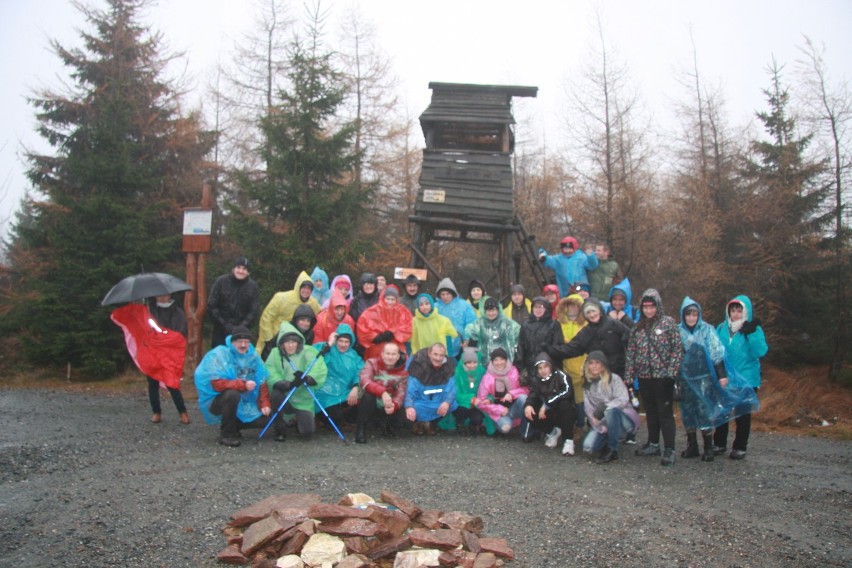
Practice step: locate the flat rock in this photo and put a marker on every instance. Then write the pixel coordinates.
(400, 503)
(462, 521)
(353, 527)
(289, 561)
(471, 542)
(354, 499)
(443, 539)
(485, 560)
(259, 534)
(354, 561)
(461, 558)
(388, 547)
(322, 548)
(232, 555)
(498, 546)
(308, 527)
(326, 512)
(356, 545)
(262, 509)
(394, 520)
(294, 544)
(429, 518)
(417, 558)
(261, 561)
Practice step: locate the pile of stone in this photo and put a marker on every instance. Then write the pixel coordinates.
(299, 530)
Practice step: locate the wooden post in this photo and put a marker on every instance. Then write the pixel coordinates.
(195, 301)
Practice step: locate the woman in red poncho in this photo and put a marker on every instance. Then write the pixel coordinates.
(331, 317)
(386, 321)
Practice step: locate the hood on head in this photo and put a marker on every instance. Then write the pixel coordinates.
(476, 284)
(745, 301)
(288, 329)
(447, 284)
(570, 300)
(337, 299)
(319, 274)
(544, 358)
(548, 308)
(550, 288)
(345, 329)
(424, 296)
(302, 279)
(624, 286)
(342, 278)
(687, 301)
(655, 296)
(304, 311)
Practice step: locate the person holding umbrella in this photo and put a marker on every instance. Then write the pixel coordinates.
(169, 315)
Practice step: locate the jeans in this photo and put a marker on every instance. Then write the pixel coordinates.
(504, 423)
(618, 424)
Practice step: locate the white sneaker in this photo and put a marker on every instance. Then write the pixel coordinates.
(568, 448)
(553, 438)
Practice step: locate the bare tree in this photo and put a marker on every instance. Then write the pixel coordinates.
(829, 108)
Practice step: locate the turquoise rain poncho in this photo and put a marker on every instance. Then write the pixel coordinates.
(343, 371)
(280, 370)
(743, 352)
(458, 311)
(706, 404)
(491, 334)
(323, 294)
(225, 362)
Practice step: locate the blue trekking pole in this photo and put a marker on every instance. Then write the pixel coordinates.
(296, 384)
(324, 350)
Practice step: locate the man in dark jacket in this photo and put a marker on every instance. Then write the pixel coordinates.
(411, 286)
(431, 392)
(367, 295)
(234, 301)
(539, 330)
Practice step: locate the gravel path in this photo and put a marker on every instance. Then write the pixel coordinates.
(88, 481)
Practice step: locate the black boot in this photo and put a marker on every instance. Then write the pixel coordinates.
(691, 450)
(387, 428)
(361, 434)
(708, 446)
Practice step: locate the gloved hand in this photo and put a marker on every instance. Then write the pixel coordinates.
(298, 377)
(599, 412)
(749, 327)
(310, 381)
(383, 337)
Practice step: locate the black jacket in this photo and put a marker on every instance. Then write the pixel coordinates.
(534, 335)
(550, 390)
(233, 302)
(608, 335)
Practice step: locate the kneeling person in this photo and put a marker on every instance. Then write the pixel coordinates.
(431, 388)
(287, 364)
(607, 406)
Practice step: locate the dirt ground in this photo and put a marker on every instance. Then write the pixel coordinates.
(87, 480)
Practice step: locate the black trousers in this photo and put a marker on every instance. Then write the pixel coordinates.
(562, 415)
(656, 396)
(304, 418)
(463, 414)
(154, 397)
(720, 437)
(225, 405)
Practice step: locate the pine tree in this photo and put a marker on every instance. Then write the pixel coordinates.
(107, 201)
(306, 204)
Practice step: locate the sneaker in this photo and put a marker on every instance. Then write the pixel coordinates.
(230, 442)
(607, 456)
(737, 454)
(668, 458)
(719, 450)
(568, 448)
(630, 439)
(553, 438)
(649, 449)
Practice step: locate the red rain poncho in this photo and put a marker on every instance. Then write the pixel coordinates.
(157, 351)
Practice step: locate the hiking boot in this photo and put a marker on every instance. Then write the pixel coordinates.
(553, 438)
(229, 441)
(649, 449)
(184, 418)
(280, 436)
(707, 456)
(668, 458)
(156, 418)
(691, 450)
(361, 434)
(607, 456)
(568, 447)
(388, 431)
(737, 454)
(719, 450)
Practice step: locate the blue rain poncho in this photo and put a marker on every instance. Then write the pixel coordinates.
(343, 371)
(225, 362)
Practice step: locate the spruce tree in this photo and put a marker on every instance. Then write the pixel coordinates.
(106, 203)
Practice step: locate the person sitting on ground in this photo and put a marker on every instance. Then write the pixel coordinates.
(501, 397)
(431, 390)
(539, 330)
(384, 381)
(459, 312)
(429, 326)
(294, 365)
(169, 315)
(469, 372)
(475, 293)
(234, 301)
(321, 292)
(571, 265)
(550, 406)
(608, 273)
(340, 394)
(331, 317)
(388, 320)
(493, 330)
(519, 307)
(367, 296)
(551, 294)
(231, 385)
(282, 307)
(343, 284)
(411, 288)
(607, 407)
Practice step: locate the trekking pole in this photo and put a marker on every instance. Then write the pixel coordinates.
(296, 385)
(324, 350)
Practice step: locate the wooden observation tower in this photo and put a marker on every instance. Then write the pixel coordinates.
(466, 183)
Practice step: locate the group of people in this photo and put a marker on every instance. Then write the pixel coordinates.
(564, 366)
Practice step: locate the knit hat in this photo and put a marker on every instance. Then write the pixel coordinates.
(499, 352)
(240, 332)
(591, 306)
(241, 261)
(543, 358)
(469, 355)
(307, 284)
(392, 292)
(598, 356)
(412, 279)
(518, 288)
(369, 278)
(491, 304)
(580, 287)
(540, 300)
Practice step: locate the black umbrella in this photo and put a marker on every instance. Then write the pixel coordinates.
(144, 285)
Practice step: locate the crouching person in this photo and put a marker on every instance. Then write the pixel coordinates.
(501, 396)
(550, 406)
(339, 396)
(384, 380)
(431, 391)
(231, 385)
(294, 365)
(607, 406)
